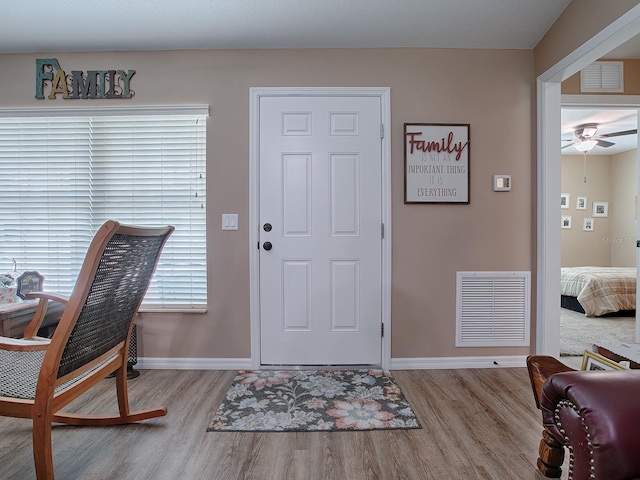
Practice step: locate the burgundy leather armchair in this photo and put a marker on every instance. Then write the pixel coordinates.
(596, 415)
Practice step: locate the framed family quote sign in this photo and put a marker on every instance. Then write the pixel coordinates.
(436, 163)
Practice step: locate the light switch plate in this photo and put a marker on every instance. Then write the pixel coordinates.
(501, 183)
(229, 221)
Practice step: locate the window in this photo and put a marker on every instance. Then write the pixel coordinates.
(64, 172)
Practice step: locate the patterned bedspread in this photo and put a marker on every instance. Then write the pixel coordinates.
(600, 290)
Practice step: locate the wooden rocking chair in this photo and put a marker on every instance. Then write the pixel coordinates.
(39, 376)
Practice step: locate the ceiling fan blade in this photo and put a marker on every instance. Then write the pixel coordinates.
(618, 134)
(604, 143)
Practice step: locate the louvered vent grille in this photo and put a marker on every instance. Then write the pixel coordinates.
(602, 77)
(493, 309)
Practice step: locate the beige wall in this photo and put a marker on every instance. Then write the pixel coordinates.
(610, 179)
(491, 90)
(581, 248)
(623, 208)
(631, 81)
(580, 21)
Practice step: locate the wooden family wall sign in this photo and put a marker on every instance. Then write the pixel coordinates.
(92, 84)
(436, 163)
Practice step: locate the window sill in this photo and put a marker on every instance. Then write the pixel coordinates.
(176, 309)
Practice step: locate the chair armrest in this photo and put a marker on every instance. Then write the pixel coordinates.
(24, 345)
(49, 296)
(36, 322)
(597, 414)
(540, 368)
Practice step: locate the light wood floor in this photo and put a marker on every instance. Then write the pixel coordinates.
(477, 424)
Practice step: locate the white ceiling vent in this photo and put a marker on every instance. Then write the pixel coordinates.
(493, 309)
(602, 77)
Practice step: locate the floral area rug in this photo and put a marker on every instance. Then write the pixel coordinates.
(301, 401)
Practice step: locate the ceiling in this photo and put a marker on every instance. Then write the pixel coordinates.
(41, 26)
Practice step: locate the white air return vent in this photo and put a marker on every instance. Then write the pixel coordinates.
(493, 309)
(602, 77)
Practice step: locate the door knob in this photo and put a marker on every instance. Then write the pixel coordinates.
(267, 227)
(267, 246)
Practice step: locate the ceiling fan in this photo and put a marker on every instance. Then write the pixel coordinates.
(587, 138)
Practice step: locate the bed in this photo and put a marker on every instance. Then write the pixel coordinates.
(597, 291)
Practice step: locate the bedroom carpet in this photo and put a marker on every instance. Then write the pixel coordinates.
(579, 332)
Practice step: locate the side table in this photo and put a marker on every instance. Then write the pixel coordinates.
(14, 317)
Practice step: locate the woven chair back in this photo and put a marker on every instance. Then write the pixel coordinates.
(119, 285)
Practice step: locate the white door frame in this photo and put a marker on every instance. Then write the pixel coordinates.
(254, 202)
(548, 160)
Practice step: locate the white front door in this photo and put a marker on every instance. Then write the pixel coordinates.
(320, 184)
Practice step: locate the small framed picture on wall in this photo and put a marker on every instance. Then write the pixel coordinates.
(566, 221)
(587, 225)
(564, 200)
(600, 209)
(581, 203)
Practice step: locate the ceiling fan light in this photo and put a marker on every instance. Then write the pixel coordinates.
(585, 145)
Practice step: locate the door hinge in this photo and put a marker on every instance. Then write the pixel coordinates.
(382, 230)
(382, 329)
(382, 130)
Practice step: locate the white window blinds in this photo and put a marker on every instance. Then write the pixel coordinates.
(62, 177)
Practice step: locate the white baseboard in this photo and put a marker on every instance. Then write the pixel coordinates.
(422, 363)
(157, 363)
(435, 363)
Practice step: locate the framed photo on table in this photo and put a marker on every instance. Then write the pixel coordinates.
(594, 361)
(28, 282)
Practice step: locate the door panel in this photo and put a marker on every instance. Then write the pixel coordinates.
(320, 189)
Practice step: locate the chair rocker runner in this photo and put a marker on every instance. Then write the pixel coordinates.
(39, 376)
